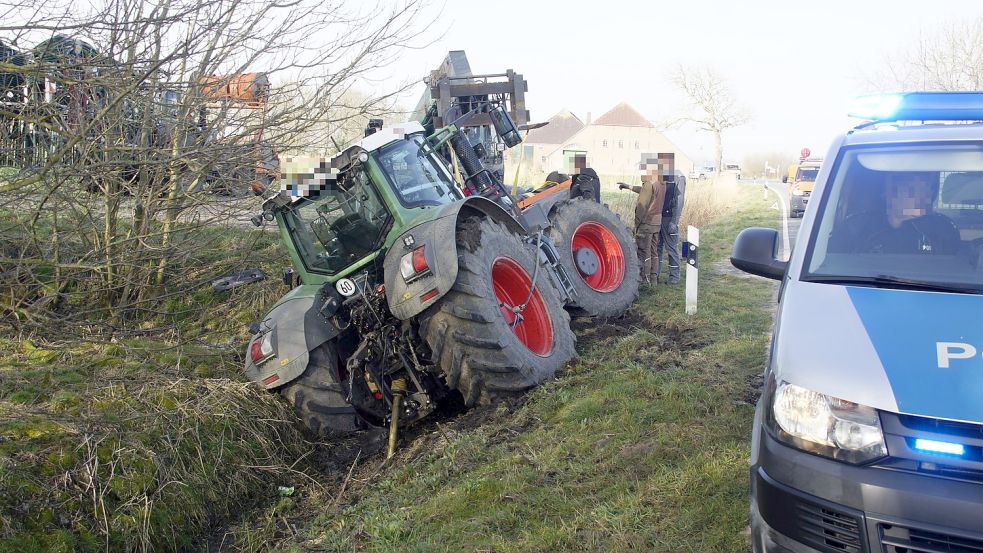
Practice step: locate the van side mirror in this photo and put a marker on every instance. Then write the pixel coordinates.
(756, 252)
(785, 179)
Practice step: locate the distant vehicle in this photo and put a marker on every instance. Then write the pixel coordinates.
(800, 179)
(704, 172)
(733, 168)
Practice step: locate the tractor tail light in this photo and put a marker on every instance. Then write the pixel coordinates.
(414, 264)
(262, 349)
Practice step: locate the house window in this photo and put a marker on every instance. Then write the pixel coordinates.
(621, 144)
(604, 143)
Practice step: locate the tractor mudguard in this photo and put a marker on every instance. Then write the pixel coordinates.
(438, 236)
(297, 328)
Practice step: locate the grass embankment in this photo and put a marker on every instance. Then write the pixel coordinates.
(641, 444)
(141, 440)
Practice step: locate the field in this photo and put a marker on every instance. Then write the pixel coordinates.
(157, 443)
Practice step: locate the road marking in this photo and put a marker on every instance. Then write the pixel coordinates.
(786, 247)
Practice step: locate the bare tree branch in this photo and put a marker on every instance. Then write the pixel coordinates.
(132, 130)
(713, 106)
(947, 58)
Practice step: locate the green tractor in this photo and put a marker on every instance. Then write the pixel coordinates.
(409, 291)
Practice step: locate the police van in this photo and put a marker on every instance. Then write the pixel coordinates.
(869, 433)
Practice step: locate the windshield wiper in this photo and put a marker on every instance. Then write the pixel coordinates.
(888, 281)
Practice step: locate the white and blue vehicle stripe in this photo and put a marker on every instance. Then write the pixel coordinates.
(930, 347)
(912, 352)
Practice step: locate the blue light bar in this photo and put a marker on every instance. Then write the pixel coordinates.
(920, 106)
(933, 446)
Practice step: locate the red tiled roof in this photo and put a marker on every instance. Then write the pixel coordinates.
(623, 115)
(561, 126)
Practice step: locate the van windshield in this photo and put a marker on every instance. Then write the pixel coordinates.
(902, 216)
(807, 174)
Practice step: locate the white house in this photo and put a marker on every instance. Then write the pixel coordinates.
(614, 144)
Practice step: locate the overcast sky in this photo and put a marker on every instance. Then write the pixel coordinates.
(793, 64)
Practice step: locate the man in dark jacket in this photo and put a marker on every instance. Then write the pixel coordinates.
(672, 208)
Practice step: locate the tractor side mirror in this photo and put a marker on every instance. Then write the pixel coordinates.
(504, 126)
(289, 277)
(785, 179)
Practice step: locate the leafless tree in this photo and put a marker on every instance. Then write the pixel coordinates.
(713, 106)
(135, 128)
(947, 58)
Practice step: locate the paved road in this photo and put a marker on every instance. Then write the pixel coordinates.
(789, 229)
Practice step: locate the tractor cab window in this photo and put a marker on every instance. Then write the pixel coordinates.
(346, 222)
(416, 177)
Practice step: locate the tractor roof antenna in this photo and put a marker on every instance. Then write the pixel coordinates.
(336, 146)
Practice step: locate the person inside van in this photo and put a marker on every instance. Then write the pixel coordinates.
(908, 224)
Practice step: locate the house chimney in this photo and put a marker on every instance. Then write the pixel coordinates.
(588, 119)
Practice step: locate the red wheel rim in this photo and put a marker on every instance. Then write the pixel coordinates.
(610, 257)
(532, 326)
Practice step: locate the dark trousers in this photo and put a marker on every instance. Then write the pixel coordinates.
(668, 241)
(647, 240)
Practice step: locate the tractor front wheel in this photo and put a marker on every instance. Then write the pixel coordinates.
(598, 252)
(490, 336)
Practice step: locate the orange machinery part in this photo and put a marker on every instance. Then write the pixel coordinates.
(250, 88)
(565, 185)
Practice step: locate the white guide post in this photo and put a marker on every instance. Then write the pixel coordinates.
(692, 268)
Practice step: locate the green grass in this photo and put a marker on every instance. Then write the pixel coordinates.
(641, 444)
(145, 440)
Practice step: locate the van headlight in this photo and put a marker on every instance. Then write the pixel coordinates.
(825, 425)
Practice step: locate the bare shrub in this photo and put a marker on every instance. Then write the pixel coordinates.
(706, 201)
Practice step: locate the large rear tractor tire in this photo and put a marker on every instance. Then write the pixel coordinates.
(483, 348)
(598, 252)
(318, 399)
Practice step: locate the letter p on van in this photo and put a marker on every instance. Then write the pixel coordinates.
(953, 350)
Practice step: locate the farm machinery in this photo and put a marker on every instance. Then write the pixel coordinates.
(419, 280)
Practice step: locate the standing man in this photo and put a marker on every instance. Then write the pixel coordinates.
(648, 217)
(672, 208)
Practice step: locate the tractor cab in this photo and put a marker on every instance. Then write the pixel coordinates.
(340, 213)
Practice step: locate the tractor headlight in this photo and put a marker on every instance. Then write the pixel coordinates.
(825, 425)
(796, 191)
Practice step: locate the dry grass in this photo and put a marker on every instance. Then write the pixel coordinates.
(143, 440)
(706, 202)
(127, 467)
